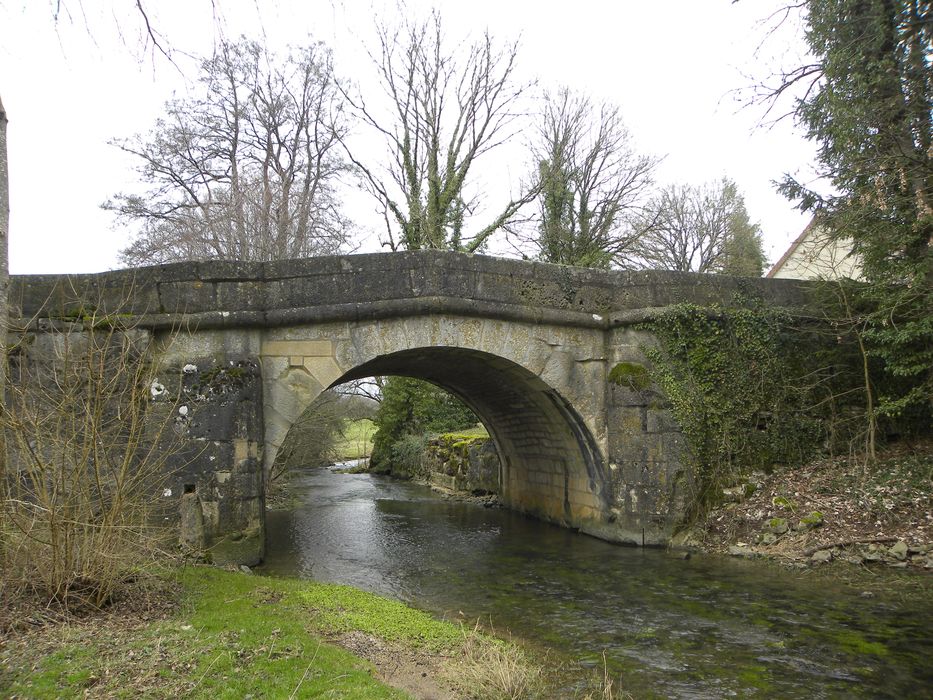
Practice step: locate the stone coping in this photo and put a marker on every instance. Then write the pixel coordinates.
(222, 294)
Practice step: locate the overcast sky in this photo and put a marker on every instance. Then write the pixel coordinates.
(70, 86)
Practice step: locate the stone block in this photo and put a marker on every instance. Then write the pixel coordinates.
(660, 421)
(187, 297)
(297, 348)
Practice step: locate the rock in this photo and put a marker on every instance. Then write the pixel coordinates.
(768, 538)
(777, 526)
(899, 565)
(743, 552)
(822, 556)
(815, 519)
(783, 502)
(928, 564)
(871, 557)
(899, 550)
(245, 569)
(736, 494)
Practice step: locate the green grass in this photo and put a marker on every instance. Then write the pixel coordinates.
(357, 440)
(478, 431)
(343, 609)
(233, 636)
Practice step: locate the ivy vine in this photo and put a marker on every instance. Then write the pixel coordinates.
(734, 390)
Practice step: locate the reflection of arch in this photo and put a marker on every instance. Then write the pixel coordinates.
(551, 466)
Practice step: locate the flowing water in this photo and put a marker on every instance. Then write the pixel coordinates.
(707, 627)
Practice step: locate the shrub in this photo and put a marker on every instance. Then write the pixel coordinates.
(414, 407)
(87, 450)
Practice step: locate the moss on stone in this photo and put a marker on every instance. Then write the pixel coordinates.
(815, 519)
(630, 374)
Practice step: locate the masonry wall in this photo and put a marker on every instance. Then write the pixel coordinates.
(212, 384)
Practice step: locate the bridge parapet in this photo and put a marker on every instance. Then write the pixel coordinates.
(221, 294)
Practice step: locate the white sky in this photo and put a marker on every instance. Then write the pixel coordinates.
(671, 66)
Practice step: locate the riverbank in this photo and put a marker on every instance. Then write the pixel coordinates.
(831, 510)
(207, 633)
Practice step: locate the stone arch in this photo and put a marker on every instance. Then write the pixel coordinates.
(525, 384)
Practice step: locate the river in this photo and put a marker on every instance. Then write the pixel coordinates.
(706, 627)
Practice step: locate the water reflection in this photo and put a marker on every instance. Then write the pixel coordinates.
(702, 628)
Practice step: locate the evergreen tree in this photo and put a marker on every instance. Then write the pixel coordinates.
(744, 254)
(869, 109)
(414, 407)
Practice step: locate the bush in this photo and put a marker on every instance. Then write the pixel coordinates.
(87, 452)
(413, 407)
(407, 456)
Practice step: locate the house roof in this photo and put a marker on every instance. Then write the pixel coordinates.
(792, 249)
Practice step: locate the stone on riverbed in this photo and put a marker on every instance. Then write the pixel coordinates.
(743, 552)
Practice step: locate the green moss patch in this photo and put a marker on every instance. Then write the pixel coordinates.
(631, 375)
(336, 609)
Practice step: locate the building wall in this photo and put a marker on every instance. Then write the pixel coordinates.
(815, 255)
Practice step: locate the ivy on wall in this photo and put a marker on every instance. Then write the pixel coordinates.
(735, 389)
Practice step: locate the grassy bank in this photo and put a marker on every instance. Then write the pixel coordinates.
(356, 440)
(217, 634)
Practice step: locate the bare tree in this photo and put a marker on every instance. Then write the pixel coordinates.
(689, 228)
(591, 182)
(245, 171)
(448, 107)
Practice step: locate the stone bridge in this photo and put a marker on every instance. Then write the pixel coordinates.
(528, 346)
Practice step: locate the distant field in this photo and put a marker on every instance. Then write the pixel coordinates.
(479, 430)
(357, 440)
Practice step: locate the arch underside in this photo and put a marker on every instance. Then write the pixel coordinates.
(551, 467)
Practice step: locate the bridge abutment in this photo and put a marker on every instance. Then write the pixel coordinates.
(212, 384)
